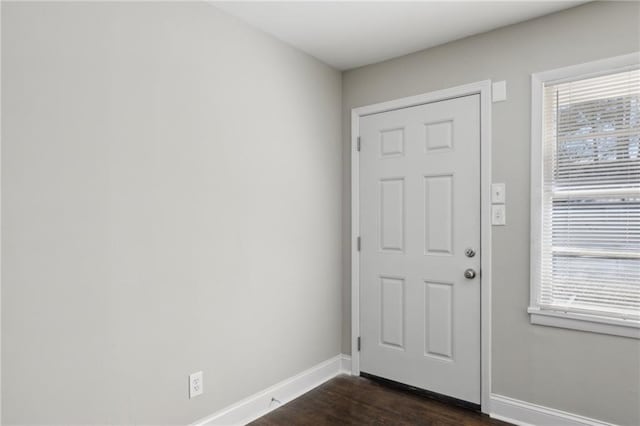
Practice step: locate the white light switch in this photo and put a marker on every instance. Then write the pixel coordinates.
(499, 91)
(498, 193)
(498, 215)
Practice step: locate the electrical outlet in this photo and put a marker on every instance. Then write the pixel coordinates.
(498, 214)
(195, 384)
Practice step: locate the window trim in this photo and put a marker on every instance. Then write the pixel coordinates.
(584, 322)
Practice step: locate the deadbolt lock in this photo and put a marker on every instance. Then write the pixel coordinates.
(470, 252)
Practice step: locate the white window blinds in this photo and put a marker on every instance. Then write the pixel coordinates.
(590, 259)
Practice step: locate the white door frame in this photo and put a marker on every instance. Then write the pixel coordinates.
(483, 88)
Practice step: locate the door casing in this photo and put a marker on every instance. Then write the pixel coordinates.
(483, 88)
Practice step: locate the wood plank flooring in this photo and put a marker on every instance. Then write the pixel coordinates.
(347, 400)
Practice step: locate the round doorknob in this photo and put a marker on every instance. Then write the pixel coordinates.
(469, 273)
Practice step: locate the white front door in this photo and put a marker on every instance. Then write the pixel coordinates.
(419, 215)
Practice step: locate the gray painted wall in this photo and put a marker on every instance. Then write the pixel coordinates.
(589, 374)
(171, 203)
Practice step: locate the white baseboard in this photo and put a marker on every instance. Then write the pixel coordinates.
(502, 408)
(527, 414)
(345, 364)
(261, 403)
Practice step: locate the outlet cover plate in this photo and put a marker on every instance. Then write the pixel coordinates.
(498, 215)
(195, 384)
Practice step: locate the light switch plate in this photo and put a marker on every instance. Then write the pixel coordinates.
(498, 193)
(195, 384)
(499, 91)
(498, 215)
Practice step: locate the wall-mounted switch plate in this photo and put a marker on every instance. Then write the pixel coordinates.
(499, 91)
(498, 215)
(498, 193)
(195, 384)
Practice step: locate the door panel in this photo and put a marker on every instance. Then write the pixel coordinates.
(392, 312)
(392, 214)
(438, 205)
(419, 211)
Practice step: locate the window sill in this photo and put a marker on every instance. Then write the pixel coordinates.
(616, 327)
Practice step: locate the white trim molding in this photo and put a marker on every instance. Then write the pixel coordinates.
(484, 89)
(345, 364)
(559, 318)
(267, 400)
(584, 322)
(527, 414)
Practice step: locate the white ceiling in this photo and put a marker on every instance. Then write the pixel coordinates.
(351, 34)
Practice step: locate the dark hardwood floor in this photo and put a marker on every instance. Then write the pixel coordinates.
(347, 400)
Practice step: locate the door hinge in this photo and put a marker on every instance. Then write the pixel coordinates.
(358, 144)
(358, 243)
(358, 344)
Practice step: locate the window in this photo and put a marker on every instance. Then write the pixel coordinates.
(586, 197)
